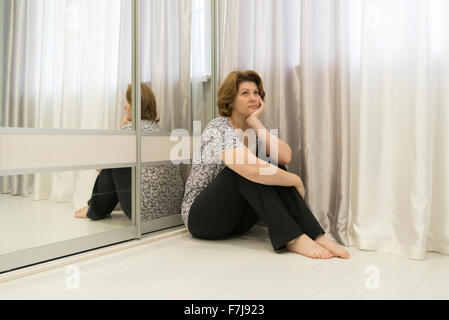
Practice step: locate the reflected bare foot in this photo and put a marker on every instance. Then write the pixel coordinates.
(82, 213)
(333, 248)
(309, 248)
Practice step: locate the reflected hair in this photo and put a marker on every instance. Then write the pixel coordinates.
(148, 102)
(229, 89)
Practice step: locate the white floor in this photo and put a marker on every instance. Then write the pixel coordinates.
(25, 223)
(246, 267)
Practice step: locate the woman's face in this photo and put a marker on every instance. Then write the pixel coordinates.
(247, 100)
(128, 111)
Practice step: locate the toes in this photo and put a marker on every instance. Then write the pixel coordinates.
(80, 214)
(324, 254)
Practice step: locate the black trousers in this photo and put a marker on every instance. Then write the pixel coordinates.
(231, 205)
(112, 186)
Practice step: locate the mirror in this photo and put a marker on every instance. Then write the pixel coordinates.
(66, 67)
(176, 64)
(38, 210)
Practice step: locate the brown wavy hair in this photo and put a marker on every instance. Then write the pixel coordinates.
(229, 88)
(148, 102)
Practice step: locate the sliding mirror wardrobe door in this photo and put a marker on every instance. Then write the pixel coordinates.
(68, 148)
(176, 72)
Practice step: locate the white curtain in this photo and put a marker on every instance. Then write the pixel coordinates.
(400, 143)
(264, 35)
(374, 78)
(201, 66)
(165, 58)
(61, 67)
(68, 65)
(363, 110)
(324, 126)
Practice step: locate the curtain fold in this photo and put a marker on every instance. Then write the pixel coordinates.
(167, 33)
(325, 120)
(200, 68)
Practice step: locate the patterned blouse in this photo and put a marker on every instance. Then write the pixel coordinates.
(161, 187)
(218, 136)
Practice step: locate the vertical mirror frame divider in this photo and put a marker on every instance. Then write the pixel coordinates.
(215, 52)
(136, 107)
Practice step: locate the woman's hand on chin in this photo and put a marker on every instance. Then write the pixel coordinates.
(258, 113)
(125, 121)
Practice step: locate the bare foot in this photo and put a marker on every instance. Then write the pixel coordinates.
(309, 248)
(81, 213)
(333, 248)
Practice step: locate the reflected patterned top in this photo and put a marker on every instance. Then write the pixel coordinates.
(162, 187)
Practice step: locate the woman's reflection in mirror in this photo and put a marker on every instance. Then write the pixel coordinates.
(161, 185)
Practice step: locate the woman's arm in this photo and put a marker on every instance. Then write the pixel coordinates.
(284, 150)
(245, 163)
(266, 137)
(125, 121)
